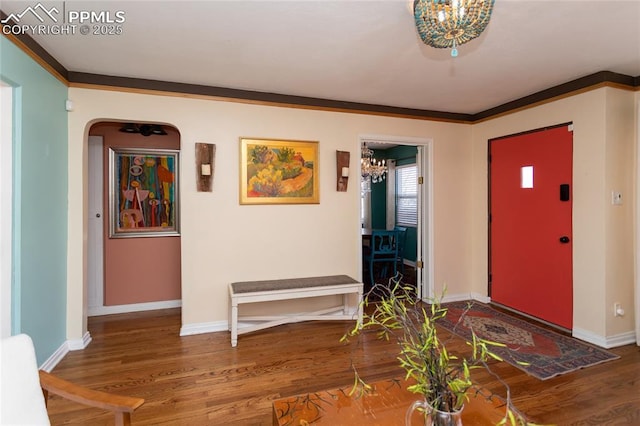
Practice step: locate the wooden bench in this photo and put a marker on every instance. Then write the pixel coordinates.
(297, 288)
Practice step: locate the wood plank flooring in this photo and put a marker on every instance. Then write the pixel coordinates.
(202, 380)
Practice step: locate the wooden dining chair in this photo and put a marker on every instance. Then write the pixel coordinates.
(402, 239)
(383, 252)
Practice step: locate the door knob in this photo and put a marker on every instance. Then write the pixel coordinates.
(97, 214)
(564, 239)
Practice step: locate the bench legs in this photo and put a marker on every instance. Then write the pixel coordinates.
(345, 304)
(346, 310)
(270, 321)
(234, 324)
(360, 308)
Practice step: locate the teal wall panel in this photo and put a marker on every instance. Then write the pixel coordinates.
(379, 197)
(403, 154)
(379, 205)
(40, 200)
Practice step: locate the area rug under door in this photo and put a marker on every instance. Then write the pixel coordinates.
(548, 353)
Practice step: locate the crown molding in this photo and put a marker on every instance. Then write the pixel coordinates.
(168, 88)
(264, 98)
(28, 45)
(573, 87)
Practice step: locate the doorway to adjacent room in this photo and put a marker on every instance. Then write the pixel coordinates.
(140, 270)
(389, 204)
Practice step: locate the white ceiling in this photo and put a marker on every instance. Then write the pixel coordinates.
(348, 50)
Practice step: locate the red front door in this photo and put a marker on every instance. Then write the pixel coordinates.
(530, 238)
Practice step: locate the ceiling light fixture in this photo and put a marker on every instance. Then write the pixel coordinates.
(372, 170)
(143, 129)
(447, 24)
(129, 128)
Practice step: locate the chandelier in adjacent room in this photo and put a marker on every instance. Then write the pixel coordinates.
(450, 23)
(372, 170)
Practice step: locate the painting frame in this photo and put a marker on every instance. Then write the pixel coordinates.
(279, 171)
(150, 207)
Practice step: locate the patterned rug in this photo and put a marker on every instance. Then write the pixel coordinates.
(548, 353)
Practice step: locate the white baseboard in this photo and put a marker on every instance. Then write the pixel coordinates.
(55, 358)
(79, 344)
(134, 307)
(204, 327)
(463, 296)
(480, 297)
(63, 350)
(604, 341)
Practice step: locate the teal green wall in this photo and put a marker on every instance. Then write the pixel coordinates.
(379, 202)
(39, 289)
(403, 155)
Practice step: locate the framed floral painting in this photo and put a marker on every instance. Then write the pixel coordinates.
(279, 172)
(143, 193)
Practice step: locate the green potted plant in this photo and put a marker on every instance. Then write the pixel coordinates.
(443, 379)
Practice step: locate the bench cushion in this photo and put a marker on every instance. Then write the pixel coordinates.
(270, 285)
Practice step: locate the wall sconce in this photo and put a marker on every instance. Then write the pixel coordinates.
(205, 165)
(342, 168)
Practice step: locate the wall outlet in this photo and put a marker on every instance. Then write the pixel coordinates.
(617, 310)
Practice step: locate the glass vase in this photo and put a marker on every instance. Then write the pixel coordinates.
(433, 417)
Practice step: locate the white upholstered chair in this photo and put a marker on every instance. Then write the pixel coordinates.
(24, 388)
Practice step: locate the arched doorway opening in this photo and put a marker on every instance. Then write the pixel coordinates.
(138, 270)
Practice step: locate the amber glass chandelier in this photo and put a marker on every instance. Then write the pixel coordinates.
(447, 24)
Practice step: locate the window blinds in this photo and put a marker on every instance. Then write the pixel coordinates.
(407, 195)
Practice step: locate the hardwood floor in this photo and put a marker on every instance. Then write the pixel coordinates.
(202, 380)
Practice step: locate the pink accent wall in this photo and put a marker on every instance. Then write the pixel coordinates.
(137, 270)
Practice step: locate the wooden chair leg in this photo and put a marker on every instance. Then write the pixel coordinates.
(371, 273)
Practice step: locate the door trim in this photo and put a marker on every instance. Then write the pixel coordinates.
(6, 210)
(637, 242)
(95, 237)
(425, 277)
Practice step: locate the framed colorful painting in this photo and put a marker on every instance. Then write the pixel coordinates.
(143, 193)
(279, 172)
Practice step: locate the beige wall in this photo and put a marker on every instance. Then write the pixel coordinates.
(603, 157)
(223, 242)
(619, 220)
(636, 231)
